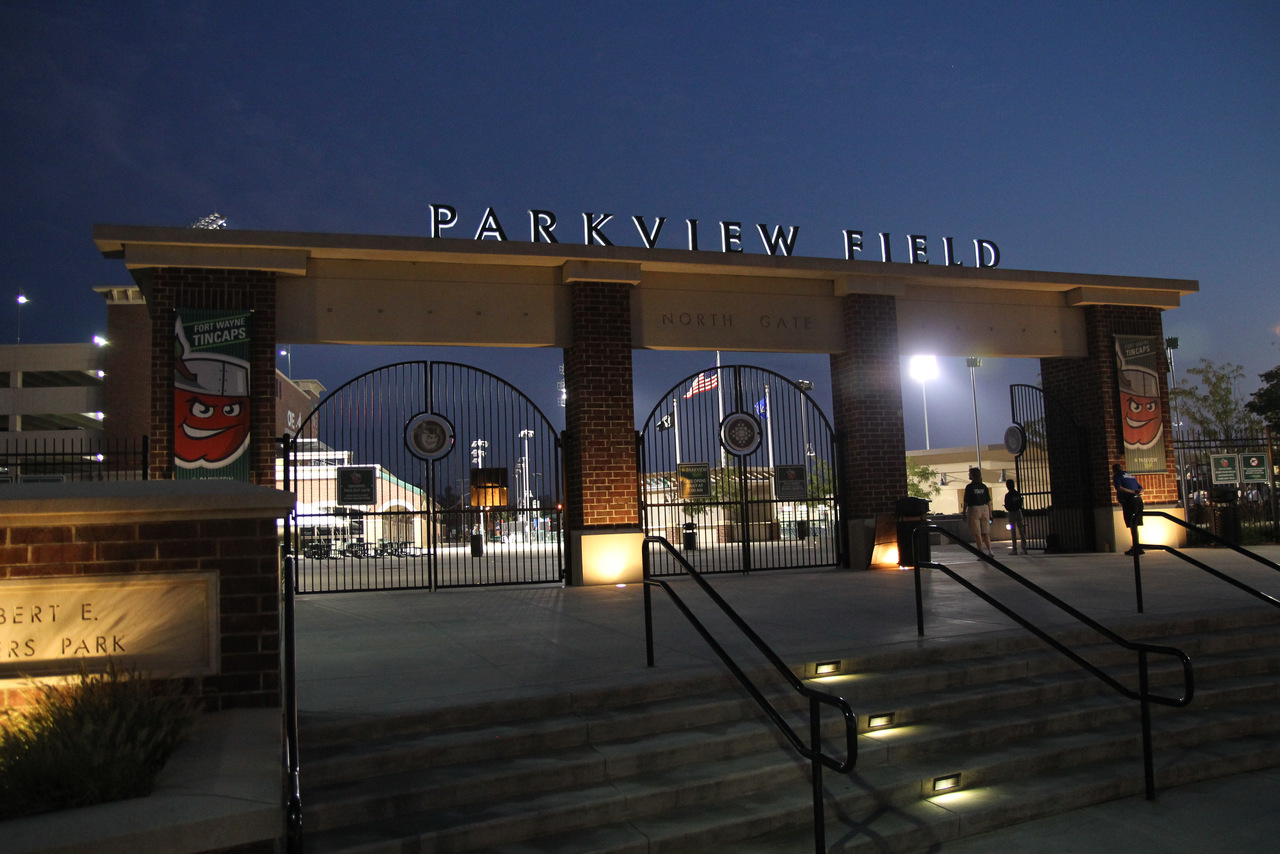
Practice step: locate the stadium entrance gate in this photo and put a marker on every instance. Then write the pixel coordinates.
(1052, 462)
(425, 475)
(738, 469)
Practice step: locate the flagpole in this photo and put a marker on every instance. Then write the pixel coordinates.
(768, 423)
(675, 427)
(724, 462)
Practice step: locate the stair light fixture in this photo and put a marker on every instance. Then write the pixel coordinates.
(881, 720)
(946, 782)
(826, 668)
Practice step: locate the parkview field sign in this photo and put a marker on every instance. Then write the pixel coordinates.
(775, 240)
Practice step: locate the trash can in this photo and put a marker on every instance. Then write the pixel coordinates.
(1226, 514)
(690, 536)
(477, 545)
(802, 529)
(911, 512)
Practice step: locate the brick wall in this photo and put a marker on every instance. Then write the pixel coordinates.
(600, 433)
(244, 552)
(867, 408)
(1088, 389)
(171, 288)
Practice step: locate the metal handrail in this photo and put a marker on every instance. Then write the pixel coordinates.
(289, 680)
(811, 751)
(1143, 695)
(1139, 548)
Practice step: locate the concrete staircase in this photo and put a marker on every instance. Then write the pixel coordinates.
(691, 764)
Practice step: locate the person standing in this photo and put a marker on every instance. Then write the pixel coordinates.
(977, 505)
(1013, 507)
(1129, 494)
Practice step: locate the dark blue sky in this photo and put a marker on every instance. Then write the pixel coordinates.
(1134, 138)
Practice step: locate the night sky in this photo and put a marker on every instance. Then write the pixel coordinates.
(1134, 138)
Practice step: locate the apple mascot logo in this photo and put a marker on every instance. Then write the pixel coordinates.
(210, 407)
(1140, 404)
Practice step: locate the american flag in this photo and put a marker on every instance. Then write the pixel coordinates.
(702, 383)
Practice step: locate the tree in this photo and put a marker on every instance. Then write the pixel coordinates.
(1265, 402)
(922, 481)
(1215, 411)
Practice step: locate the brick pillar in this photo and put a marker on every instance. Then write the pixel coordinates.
(238, 290)
(1088, 389)
(866, 398)
(600, 435)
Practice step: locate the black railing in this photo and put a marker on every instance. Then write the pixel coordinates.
(1143, 694)
(74, 459)
(1140, 547)
(813, 749)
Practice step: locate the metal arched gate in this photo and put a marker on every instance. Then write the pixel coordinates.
(1052, 465)
(425, 475)
(738, 468)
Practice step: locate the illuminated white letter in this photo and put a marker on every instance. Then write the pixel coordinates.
(591, 233)
(730, 236)
(490, 227)
(787, 244)
(984, 249)
(918, 248)
(886, 254)
(852, 243)
(650, 238)
(949, 254)
(693, 234)
(541, 226)
(442, 216)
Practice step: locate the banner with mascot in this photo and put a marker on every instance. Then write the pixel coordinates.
(211, 394)
(1141, 407)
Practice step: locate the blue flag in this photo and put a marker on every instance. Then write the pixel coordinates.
(762, 407)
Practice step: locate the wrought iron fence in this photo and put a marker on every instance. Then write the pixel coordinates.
(78, 458)
(1241, 495)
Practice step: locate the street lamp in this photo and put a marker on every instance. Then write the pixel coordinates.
(806, 387)
(22, 300)
(288, 354)
(974, 363)
(922, 370)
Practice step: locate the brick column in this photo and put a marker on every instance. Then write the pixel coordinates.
(602, 501)
(254, 291)
(1088, 388)
(866, 398)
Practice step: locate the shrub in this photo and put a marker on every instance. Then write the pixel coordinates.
(94, 739)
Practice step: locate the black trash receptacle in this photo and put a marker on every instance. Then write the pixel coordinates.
(911, 512)
(690, 536)
(802, 529)
(477, 545)
(1226, 514)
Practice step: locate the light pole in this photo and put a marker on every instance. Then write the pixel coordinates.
(22, 300)
(922, 370)
(525, 434)
(974, 363)
(806, 387)
(288, 353)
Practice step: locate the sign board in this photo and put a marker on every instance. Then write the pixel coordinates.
(694, 479)
(357, 486)
(789, 483)
(1226, 468)
(164, 623)
(1254, 468)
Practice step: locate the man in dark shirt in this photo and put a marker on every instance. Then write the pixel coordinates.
(1013, 507)
(1129, 494)
(977, 505)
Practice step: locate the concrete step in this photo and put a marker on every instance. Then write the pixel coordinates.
(692, 764)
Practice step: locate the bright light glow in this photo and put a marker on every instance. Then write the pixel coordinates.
(946, 782)
(620, 586)
(826, 668)
(22, 299)
(882, 719)
(101, 374)
(923, 369)
(100, 341)
(284, 352)
(956, 798)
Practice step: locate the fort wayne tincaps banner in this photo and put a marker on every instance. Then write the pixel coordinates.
(1141, 410)
(211, 394)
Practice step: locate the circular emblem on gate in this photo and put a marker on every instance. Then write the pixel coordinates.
(1015, 440)
(740, 434)
(428, 436)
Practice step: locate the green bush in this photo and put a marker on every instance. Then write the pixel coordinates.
(94, 739)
